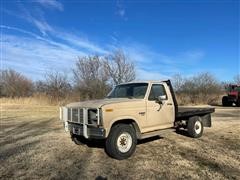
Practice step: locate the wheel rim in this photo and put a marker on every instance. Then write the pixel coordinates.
(198, 127)
(124, 142)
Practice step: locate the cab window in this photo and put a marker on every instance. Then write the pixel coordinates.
(156, 90)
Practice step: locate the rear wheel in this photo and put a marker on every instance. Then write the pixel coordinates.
(238, 103)
(225, 101)
(121, 141)
(195, 127)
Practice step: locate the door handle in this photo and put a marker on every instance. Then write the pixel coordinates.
(169, 104)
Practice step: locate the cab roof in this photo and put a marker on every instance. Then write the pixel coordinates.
(144, 81)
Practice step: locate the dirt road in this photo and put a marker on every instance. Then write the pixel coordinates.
(34, 145)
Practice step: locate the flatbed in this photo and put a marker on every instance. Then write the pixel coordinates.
(186, 112)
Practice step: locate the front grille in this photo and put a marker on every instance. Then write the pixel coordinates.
(84, 121)
(75, 115)
(81, 115)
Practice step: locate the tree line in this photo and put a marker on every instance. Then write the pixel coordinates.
(94, 76)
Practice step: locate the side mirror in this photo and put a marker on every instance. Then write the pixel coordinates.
(160, 99)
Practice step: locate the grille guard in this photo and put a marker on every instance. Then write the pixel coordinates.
(64, 117)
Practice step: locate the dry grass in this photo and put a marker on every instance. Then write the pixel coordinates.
(185, 99)
(34, 146)
(35, 100)
(38, 99)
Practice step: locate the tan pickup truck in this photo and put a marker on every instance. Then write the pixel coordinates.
(130, 112)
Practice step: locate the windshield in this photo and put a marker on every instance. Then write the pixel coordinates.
(133, 90)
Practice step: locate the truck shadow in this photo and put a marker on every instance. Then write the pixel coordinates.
(182, 132)
(150, 139)
(101, 143)
(94, 143)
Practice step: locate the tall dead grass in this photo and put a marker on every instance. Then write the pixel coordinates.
(38, 99)
(33, 100)
(44, 100)
(186, 99)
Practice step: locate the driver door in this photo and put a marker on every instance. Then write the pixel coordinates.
(159, 115)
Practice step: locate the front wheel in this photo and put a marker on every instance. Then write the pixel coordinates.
(121, 141)
(195, 127)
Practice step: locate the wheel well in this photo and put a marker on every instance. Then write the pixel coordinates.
(130, 122)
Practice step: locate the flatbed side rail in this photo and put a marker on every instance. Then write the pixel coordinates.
(186, 113)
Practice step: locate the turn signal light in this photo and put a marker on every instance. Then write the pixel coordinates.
(109, 110)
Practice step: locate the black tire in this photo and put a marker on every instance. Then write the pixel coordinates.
(225, 101)
(195, 127)
(238, 103)
(178, 130)
(111, 145)
(78, 140)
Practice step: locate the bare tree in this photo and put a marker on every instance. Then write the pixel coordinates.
(202, 88)
(55, 85)
(237, 79)
(40, 86)
(120, 68)
(91, 78)
(177, 81)
(14, 84)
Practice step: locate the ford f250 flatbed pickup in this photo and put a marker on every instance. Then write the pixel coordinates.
(130, 112)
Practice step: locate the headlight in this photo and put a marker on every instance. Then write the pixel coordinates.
(92, 116)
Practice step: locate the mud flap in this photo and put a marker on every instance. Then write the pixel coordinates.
(206, 120)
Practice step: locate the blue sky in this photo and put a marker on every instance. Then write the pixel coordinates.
(162, 37)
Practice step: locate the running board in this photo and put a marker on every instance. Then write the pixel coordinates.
(156, 133)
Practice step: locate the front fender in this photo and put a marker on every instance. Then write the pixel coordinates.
(119, 119)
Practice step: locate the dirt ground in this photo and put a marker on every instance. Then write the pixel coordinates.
(34, 145)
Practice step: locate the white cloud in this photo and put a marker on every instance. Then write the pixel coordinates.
(35, 56)
(42, 25)
(28, 52)
(120, 10)
(79, 42)
(73, 40)
(36, 20)
(143, 54)
(34, 17)
(150, 75)
(51, 4)
(155, 65)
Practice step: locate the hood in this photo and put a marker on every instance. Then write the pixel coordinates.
(101, 102)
